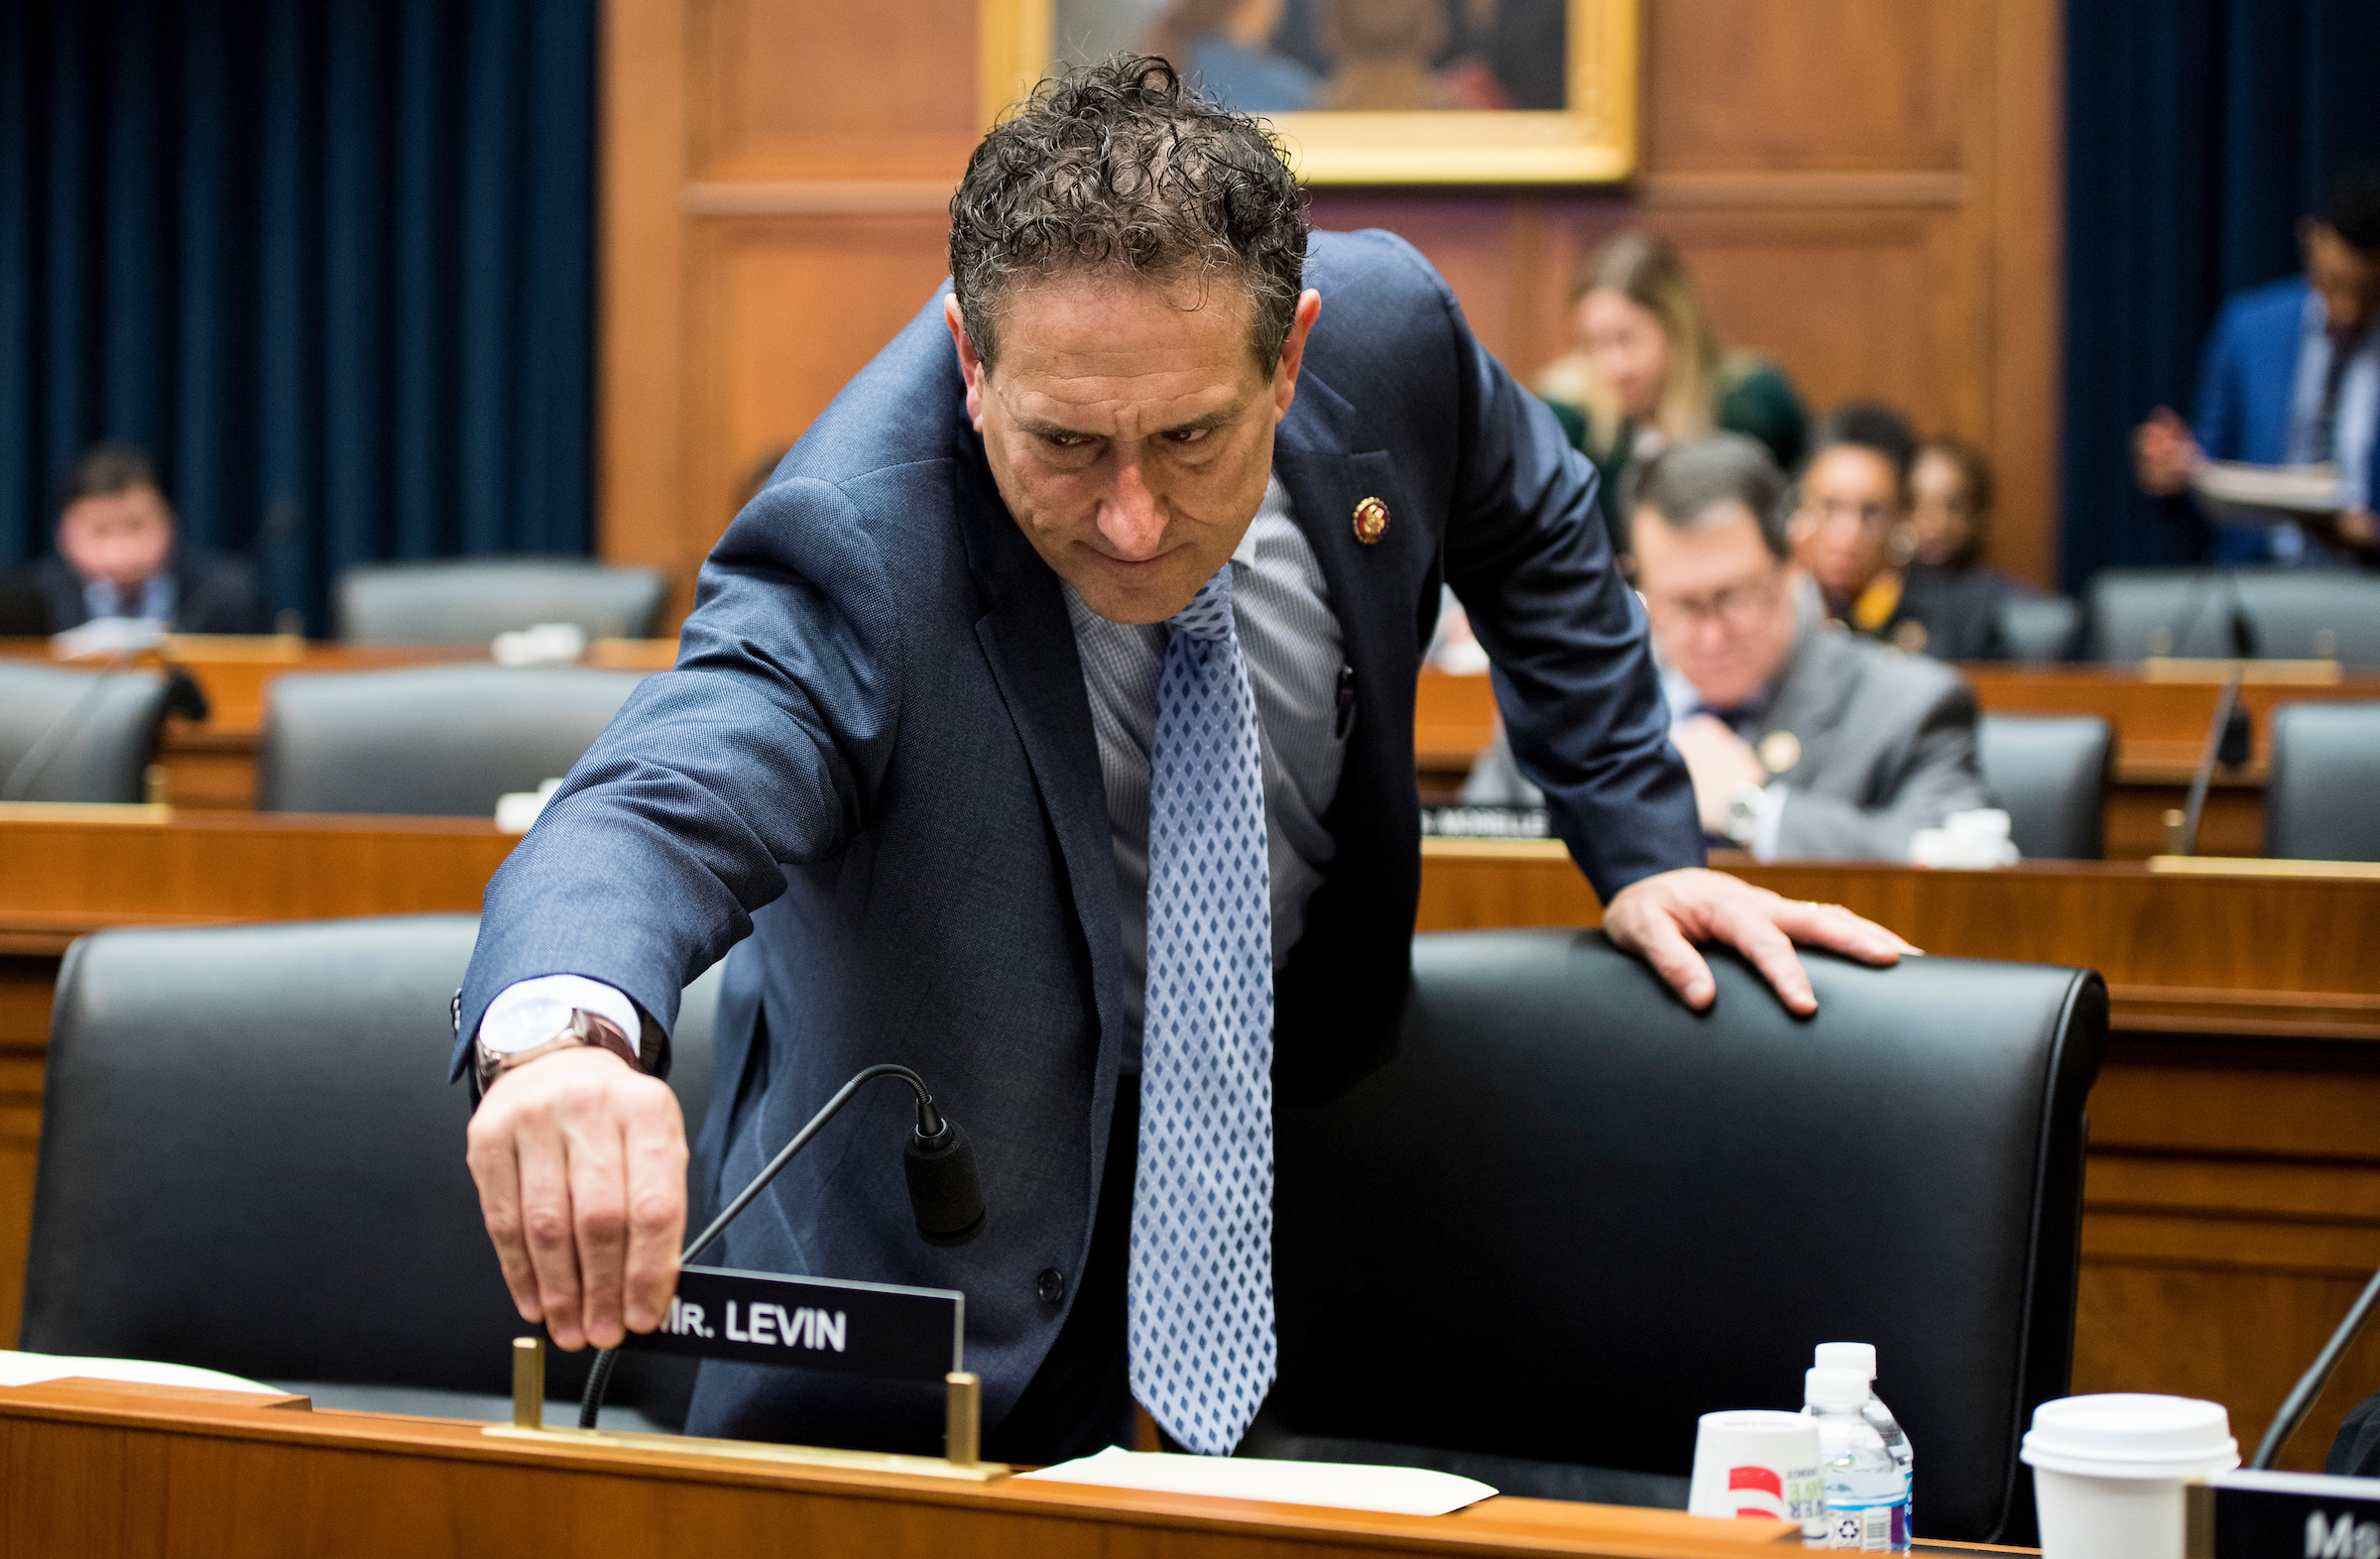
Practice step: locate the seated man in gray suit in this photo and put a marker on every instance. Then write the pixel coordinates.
(1803, 740)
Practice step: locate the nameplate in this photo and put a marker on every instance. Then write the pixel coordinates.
(2284, 1516)
(813, 1323)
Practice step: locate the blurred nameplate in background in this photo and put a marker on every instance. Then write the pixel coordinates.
(1371, 91)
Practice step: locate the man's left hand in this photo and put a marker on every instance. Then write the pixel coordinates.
(1660, 918)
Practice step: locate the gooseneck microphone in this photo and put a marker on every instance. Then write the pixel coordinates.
(946, 1198)
(2309, 1385)
(183, 696)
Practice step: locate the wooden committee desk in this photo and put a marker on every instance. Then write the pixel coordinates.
(2160, 721)
(91, 1466)
(2159, 713)
(2234, 1206)
(210, 765)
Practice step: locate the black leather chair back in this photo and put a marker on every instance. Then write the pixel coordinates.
(2050, 773)
(474, 600)
(1569, 1216)
(2036, 629)
(76, 736)
(437, 740)
(252, 1161)
(2297, 613)
(2323, 800)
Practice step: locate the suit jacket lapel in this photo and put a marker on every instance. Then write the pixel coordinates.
(1028, 642)
(1809, 701)
(1325, 483)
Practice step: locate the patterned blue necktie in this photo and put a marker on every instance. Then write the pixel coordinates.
(1199, 1296)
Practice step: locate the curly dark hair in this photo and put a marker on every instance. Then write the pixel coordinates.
(1122, 163)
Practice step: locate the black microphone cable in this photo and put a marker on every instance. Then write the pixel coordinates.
(945, 1196)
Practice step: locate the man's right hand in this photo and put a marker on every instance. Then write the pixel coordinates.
(581, 1165)
(2163, 455)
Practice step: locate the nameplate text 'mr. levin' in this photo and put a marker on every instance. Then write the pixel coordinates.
(813, 1323)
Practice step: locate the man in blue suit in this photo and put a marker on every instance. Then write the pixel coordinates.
(1048, 725)
(2291, 376)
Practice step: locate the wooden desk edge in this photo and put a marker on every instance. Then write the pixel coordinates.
(1501, 1527)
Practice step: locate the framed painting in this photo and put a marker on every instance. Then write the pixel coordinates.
(1371, 91)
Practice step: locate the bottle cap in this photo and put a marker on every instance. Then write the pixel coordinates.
(1847, 1355)
(1834, 1390)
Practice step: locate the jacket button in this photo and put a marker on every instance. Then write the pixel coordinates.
(1050, 1285)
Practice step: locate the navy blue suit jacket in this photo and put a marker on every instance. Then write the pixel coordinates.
(873, 775)
(2246, 384)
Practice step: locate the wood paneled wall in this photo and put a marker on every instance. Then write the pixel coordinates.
(1868, 191)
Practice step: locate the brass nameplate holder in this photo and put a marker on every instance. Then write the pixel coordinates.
(962, 1432)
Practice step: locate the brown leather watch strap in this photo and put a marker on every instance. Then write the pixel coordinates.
(585, 1029)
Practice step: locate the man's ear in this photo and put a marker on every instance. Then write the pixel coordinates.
(1293, 352)
(971, 367)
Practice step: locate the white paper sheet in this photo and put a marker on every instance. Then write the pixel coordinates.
(1396, 1491)
(32, 1368)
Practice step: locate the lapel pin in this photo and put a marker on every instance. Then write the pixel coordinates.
(1371, 521)
(1780, 752)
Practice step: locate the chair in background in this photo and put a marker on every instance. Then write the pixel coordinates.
(441, 740)
(251, 1160)
(2293, 612)
(473, 600)
(77, 736)
(2050, 773)
(2039, 630)
(2323, 799)
(1568, 1216)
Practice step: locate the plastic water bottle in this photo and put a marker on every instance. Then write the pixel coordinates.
(1863, 1358)
(1866, 1495)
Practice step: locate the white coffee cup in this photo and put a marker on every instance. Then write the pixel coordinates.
(1755, 1462)
(2107, 1471)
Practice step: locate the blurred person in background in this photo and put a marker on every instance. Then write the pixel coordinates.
(1802, 741)
(1949, 513)
(118, 556)
(1650, 370)
(2291, 376)
(1383, 58)
(1852, 530)
(1225, 47)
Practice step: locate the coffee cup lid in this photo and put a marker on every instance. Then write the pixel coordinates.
(2131, 1435)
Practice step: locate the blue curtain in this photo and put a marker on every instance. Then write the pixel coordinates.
(2198, 132)
(331, 262)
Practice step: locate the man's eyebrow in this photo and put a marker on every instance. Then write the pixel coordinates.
(1040, 428)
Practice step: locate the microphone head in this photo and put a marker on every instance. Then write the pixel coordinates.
(945, 1196)
(2238, 742)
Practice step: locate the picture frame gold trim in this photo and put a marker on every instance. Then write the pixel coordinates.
(1594, 141)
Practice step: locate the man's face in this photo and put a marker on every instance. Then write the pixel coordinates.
(1851, 504)
(1130, 429)
(1719, 600)
(2346, 277)
(123, 538)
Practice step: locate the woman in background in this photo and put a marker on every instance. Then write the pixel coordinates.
(1950, 512)
(1651, 369)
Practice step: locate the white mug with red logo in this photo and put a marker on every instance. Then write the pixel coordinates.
(1758, 1463)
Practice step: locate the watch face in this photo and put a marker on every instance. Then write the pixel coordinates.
(523, 1026)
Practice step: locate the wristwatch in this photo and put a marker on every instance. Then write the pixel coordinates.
(538, 1029)
(1745, 811)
